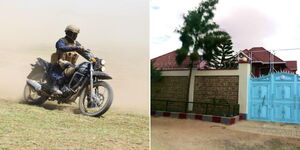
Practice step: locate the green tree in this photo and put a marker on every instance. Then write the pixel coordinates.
(221, 52)
(198, 29)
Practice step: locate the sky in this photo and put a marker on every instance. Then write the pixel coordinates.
(272, 24)
(116, 30)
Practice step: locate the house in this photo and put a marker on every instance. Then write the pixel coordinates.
(264, 61)
(227, 92)
(261, 60)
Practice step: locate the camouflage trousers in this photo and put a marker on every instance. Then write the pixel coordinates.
(67, 66)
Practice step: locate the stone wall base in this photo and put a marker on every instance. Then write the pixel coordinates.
(210, 118)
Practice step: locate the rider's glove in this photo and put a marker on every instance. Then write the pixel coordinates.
(80, 48)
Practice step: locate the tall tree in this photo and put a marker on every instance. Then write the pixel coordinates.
(198, 27)
(221, 51)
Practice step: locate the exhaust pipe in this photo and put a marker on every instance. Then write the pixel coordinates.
(34, 85)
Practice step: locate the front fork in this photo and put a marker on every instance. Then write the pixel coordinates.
(91, 82)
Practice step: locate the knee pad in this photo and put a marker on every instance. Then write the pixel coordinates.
(69, 71)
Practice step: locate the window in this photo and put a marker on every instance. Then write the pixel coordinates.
(264, 71)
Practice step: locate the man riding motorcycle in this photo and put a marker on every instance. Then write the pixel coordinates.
(67, 50)
(61, 80)
(64, 60)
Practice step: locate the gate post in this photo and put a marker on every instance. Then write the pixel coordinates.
(244, 77)
(191, 91)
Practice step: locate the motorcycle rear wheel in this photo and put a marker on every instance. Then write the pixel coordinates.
(104, 104)
(30, 95)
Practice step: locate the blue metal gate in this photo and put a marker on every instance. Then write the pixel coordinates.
(275, 97)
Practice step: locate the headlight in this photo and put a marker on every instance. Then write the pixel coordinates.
(102, 68)
(102, 62)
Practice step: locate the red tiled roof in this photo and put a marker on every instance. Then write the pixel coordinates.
(259, 54)
(292, 65)
(168, 62)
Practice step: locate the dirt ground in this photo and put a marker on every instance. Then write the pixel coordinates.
(181, 134)
(61, 127)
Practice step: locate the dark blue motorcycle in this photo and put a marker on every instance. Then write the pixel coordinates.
(87, 83)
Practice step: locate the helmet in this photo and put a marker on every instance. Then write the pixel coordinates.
(72, 28)
(72, 31)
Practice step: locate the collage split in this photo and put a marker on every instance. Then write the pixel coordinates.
(149, 75)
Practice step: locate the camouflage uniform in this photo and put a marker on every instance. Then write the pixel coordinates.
(66, 53)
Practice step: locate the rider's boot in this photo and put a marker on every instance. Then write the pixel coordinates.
(55, 89)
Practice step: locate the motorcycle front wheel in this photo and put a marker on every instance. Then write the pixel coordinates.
(99, 103)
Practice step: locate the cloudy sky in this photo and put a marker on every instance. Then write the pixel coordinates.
(251, 23)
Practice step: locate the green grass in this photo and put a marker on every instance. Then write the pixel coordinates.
(54, 126)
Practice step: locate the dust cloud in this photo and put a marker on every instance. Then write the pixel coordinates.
(116, 31)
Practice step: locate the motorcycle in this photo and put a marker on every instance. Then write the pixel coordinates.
(87, 83)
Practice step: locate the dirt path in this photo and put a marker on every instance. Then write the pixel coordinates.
(268, 128)
(177, 134)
